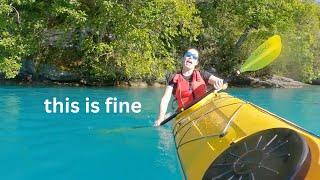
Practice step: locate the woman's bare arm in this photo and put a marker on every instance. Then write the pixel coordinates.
(164, 105)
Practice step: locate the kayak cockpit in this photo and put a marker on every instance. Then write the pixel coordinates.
(208, 133)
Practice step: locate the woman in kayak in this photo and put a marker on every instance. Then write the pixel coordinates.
(187, 85)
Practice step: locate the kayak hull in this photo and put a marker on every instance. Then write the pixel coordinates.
(207, 129)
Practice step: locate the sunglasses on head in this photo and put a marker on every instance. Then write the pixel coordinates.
(191, 55)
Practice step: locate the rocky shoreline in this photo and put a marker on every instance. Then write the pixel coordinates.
(270, 82)
(49, 75)
(316, 81)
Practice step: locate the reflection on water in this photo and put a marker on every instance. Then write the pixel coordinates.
(166, 146)
(10, 106)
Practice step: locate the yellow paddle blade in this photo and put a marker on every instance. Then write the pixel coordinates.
(263, 55)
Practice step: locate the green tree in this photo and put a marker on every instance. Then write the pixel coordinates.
(111, 40)
(300, 57)
(12, 46)
(232, 31)
(137, 39)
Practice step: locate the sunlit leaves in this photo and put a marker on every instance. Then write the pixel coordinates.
(129, 40)
(233, 29)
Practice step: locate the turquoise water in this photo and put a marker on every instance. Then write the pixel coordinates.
(37, 145)
(300, 106)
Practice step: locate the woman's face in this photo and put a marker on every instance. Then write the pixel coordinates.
(190, 61)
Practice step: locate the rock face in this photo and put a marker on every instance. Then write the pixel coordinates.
(158, 85)
(316, 81)
(272, 82)
(49, 72)
(141, 84)
(27, 70)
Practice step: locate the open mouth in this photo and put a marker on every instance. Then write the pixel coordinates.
(188, 62)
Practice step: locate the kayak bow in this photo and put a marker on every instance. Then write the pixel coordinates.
(223, 137)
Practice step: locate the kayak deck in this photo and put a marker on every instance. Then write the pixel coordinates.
(206, 130)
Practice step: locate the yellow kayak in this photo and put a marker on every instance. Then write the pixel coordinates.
(223, 137)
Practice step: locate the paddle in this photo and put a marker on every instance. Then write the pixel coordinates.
(265, 54)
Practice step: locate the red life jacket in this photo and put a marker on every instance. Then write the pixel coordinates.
(185, 94)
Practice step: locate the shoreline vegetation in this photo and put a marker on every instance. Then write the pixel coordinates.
(137, 43)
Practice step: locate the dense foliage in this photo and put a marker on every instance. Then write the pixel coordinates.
(232, 32)
(127, 40)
